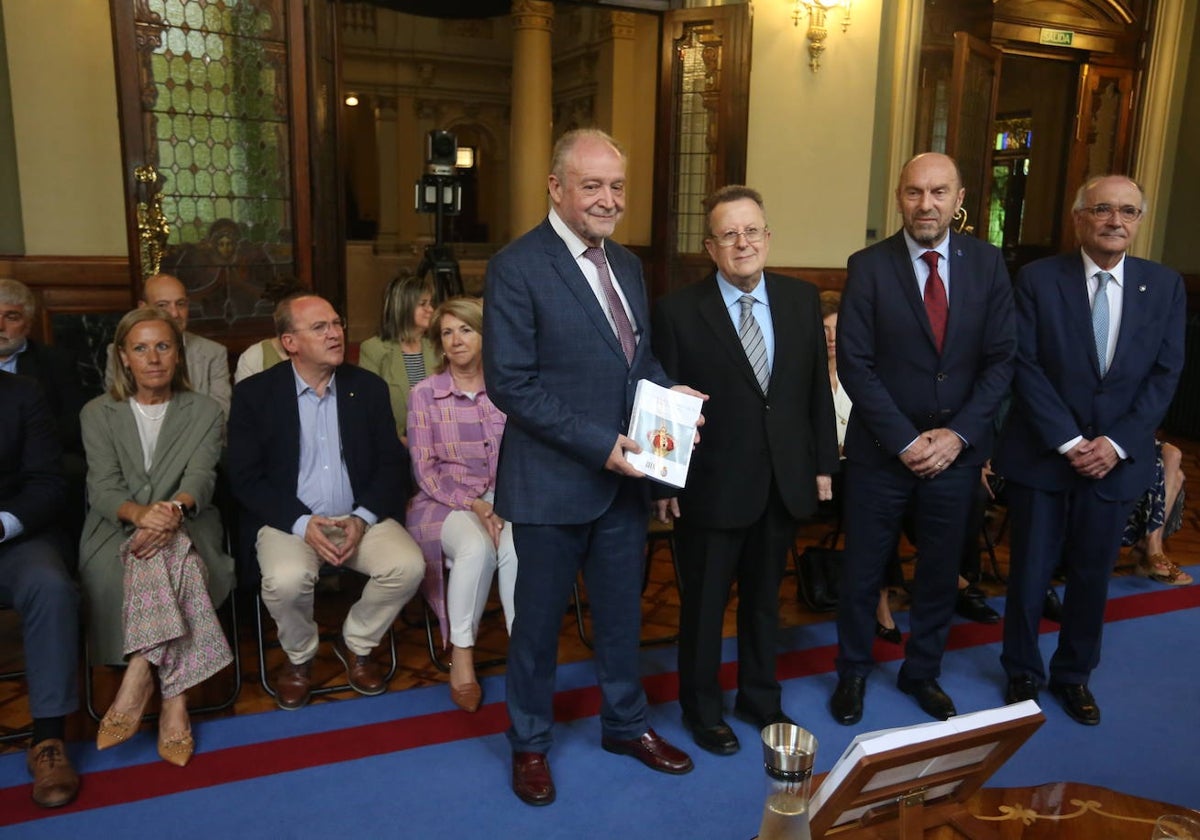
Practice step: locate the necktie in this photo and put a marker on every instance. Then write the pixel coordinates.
(936, 306)
(620, 319)
(1100, 320)
(752, 342)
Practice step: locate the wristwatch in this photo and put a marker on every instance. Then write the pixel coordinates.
(185, 512)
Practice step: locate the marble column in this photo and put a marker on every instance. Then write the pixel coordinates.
(530, 131)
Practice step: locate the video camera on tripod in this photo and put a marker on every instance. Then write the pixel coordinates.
(439, 191)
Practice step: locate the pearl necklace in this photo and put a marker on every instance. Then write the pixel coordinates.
(153, 418)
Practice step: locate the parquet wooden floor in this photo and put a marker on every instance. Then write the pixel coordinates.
(660, 617)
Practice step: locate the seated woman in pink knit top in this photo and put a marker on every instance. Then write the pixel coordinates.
(454, 436)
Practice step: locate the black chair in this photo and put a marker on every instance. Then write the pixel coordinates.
(235, 690)
(326, 573)
(436, 656)
(658, 532)
(16, 735)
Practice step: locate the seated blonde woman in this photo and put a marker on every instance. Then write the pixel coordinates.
(454, 436)
(151, 542)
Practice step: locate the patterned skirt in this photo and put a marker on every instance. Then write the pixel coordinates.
(169, 618)
(1150, 513)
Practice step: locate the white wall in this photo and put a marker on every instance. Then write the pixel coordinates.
(68, 142)
(810, 133)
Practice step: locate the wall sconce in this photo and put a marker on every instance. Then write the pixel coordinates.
(465, 157)
(816, 11)
(352, 100)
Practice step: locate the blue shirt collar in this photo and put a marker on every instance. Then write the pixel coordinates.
(731, 294)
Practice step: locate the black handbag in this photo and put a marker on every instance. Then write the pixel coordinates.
(817, 571)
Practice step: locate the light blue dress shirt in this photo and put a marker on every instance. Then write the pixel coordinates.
(732, 296)
(323, 483)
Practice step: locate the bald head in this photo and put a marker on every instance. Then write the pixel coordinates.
(166, 293)
(929, 194)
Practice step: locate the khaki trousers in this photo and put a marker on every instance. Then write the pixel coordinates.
(387, 555)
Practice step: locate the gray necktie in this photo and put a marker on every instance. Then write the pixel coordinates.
(1100, 320)
(752, 342)
(620, 319)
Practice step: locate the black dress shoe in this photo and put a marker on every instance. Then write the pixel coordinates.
(717, 739)
(846, 704)
(531, 779)
(761, 722)
(1021, 688)
(891, 635)
(929, 696)
(1052, 607)
(972, 605)
(1077, 701)
(652, 750)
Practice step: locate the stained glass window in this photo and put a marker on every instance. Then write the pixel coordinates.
(215, 98)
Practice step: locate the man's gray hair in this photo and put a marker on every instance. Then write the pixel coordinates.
(1081, 193)
(16, 293)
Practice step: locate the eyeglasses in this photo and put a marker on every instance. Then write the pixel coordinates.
(1104, 212)
(322, 328)
(729, 238)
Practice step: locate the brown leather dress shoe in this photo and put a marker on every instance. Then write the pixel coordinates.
(55, 781)
(292, 686)
(531, 780)
(364, 675)
(652, 750)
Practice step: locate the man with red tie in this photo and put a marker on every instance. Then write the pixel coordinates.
(926, 338)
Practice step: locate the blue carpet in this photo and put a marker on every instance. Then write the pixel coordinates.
(1148, 687)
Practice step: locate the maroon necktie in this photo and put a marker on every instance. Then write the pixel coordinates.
(935, 299)
(620, 319)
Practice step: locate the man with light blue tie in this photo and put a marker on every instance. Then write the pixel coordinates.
(1100, 350)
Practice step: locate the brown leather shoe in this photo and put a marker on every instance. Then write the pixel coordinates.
(364, 676)
(292, 686)
(652, 750)
(531, 780)
(55, 781)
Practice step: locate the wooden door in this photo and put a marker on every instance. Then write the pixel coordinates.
(974, 89)
(218, 141)
(1101, 142)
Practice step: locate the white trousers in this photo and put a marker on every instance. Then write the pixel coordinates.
(472, 560)
(387, 555)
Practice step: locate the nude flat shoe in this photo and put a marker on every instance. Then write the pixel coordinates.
(118, 727)
(176, 749)
(468, 698)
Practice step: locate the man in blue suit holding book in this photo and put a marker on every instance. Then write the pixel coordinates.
(567, 326)
(1100, 351)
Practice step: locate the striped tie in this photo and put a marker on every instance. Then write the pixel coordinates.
(1100, 320)
(752, 342)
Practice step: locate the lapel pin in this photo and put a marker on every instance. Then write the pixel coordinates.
(958, 252)
(1142, 287)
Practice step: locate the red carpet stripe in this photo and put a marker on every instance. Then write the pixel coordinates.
(235, 764)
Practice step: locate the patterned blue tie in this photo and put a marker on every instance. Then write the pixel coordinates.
(1100, 320)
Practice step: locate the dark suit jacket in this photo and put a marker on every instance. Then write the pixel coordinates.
(56, 372)
(1058, 390)
(264, 447)
(890, 367)
(31, 485)
(553, 364)
(748, 438)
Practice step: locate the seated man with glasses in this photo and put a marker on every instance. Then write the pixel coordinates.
(316, 465)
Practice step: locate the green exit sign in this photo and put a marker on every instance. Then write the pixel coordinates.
(1057, 37)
